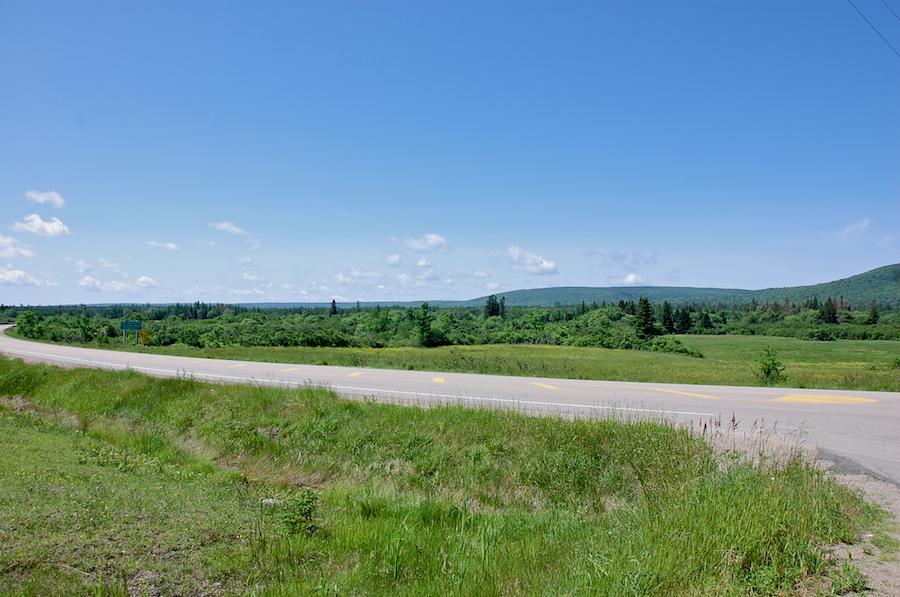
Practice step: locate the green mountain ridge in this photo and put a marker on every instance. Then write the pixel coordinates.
(881, 285)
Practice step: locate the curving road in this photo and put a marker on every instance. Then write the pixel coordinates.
(860, 431)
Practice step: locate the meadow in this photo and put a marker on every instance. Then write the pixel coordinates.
(115, 483)
(872, 365)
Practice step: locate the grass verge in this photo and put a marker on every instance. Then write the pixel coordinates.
(119, 479)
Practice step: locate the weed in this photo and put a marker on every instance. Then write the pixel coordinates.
(298, 514)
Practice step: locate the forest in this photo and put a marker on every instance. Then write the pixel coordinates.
(636, 325)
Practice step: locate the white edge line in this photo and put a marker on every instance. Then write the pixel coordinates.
(380, 391)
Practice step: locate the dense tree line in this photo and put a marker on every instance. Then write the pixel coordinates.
(626, 324)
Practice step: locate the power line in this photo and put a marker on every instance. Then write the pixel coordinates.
(874, 29)
(890, 9)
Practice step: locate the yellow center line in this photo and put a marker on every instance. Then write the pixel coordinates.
(357, 374)
(236, 366)
(688, 394)
(813, 399)
(437, 379)
(543, 385)
(195, 362)
(289, 369)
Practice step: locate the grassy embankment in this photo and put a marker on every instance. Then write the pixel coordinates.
(123, 479)
(729, 360)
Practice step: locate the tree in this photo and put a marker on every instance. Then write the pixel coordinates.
(872, 318)
(769, 368)
(682, 321)
(28, 324)
(502, 310)
(491, 307)
(829, 311)
(333, 307)
(643, 319)
(668, 320)
(423, 327)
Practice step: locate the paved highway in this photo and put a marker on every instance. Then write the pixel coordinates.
(858, 430)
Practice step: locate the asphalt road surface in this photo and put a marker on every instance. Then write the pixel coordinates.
(860, 431)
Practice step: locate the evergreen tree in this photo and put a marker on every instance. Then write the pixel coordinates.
(829, 311)
(491, 307)
(501, 311)
(333, 307)
(872, 319)
(668, 321)
(643, 319)
(682, 321)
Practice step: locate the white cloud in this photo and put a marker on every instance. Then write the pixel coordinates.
(251, 277)
(252, 243)
(89, 282)
(115, 287)
(144, 281)
(673, 275)
(111, 267)
(393, 259)
(203, 243)
(247, 261)
(520, 260)
(82, 266)
(227, 227)
(169, 246)
(406, 280)
(342, 279)
(629, 280)
(11, 248)
(364, 274)
(422, 262)
(492, 286)
(254, 292)
(428, 243)
(630, 261)
(16, 277)
(51, 197)
(480, 274)
(38, 226)
(853, 229)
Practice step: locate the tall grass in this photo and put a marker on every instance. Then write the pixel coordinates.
(392, 500)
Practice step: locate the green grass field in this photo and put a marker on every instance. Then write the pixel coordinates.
(729, 360)
(117, 482)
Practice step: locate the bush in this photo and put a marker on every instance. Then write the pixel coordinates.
(769, 369)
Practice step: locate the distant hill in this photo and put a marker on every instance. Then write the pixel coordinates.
(881, 285)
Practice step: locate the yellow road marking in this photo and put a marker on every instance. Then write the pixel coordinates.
(812, 399)
(688, 394)
(357, 374)
(195, 362)
(543, 385)
(236, 366)
(289, 369)
(437, 379)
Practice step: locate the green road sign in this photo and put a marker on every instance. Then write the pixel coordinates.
(132, 325)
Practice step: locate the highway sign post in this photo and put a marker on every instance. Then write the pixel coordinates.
(128, 326)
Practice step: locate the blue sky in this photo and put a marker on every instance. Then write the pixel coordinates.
(379, 151)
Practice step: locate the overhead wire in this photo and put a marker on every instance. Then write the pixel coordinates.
(874, 29)
(890, 9)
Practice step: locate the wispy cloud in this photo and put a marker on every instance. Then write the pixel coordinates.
(252, 243)
(227, 227)
(854, 229)
(520, 260)
(428, 244)
(629, 280)
(111, 267)
(16, 277)
(251, 277)
(35, 224)
(630, 261)
(357, 273)
(393, 259)
(11, 248)
(480, 274)
(113, 287)
(51, 197)
(422, 262)
(168, 246)
(673, 275)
